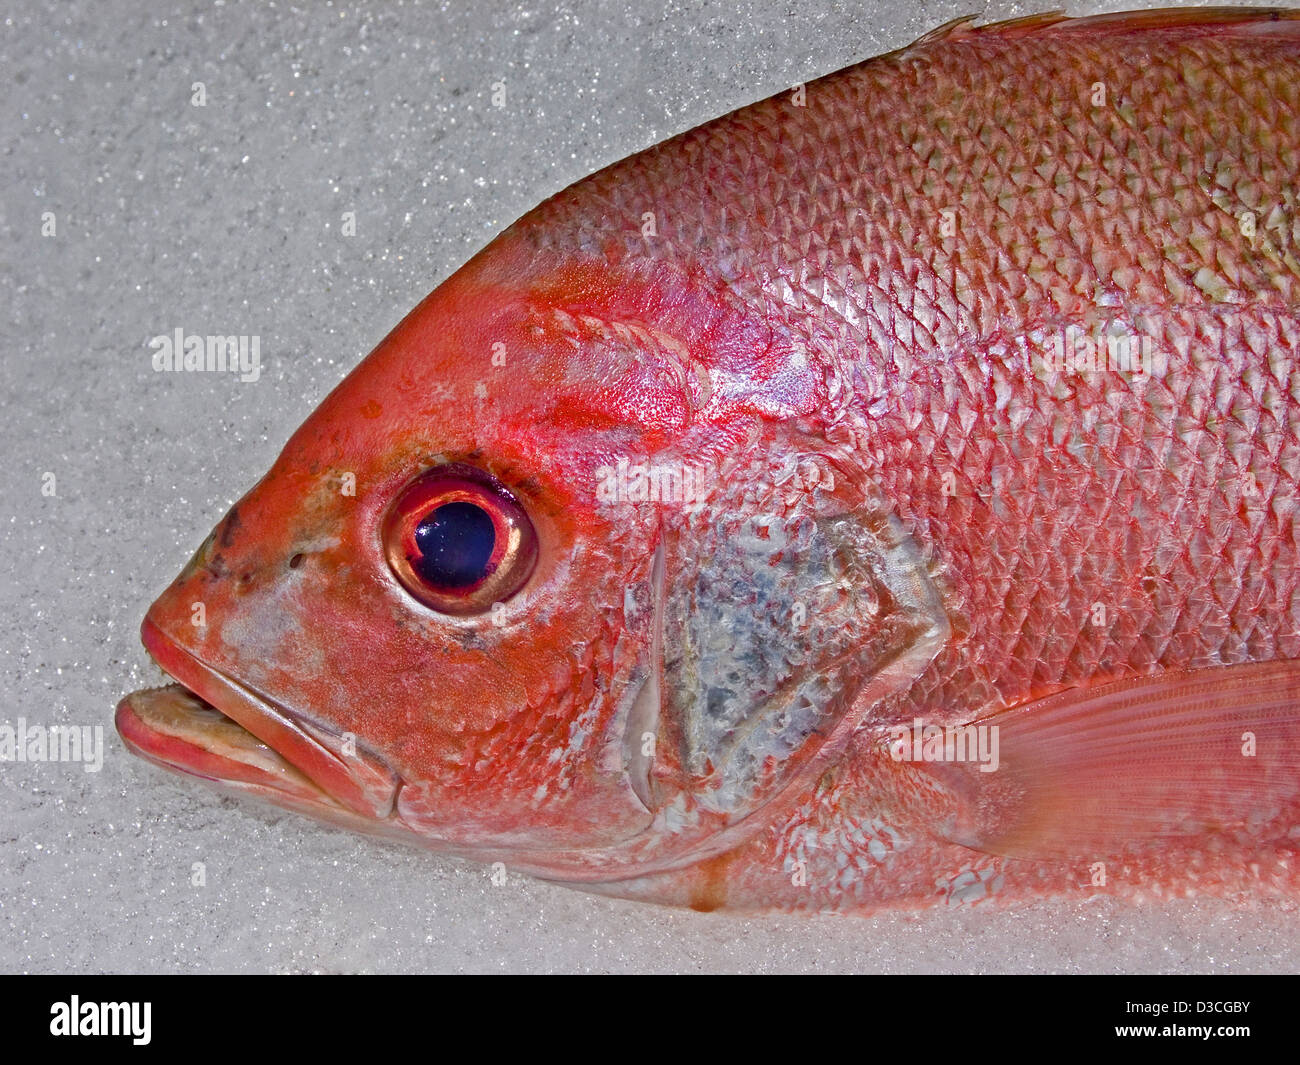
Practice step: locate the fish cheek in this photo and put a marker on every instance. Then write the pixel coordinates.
(545, 776)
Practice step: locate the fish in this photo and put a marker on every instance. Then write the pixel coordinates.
(880, 497)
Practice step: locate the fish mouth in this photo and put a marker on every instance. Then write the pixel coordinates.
(211, 726)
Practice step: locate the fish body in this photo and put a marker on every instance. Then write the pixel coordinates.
(883, 495)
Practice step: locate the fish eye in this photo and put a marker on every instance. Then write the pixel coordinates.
(458, 541)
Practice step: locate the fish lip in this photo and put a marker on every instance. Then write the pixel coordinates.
(270, 776)
(357, 782)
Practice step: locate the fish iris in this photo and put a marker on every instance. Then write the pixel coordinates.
(455, 542)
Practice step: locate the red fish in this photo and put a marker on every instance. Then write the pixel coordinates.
(883, 495)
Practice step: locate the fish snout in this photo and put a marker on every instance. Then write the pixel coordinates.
(298, 756)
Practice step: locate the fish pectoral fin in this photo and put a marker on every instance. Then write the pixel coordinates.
(1095, 771)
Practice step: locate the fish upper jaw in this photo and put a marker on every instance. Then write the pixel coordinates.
(212, 728)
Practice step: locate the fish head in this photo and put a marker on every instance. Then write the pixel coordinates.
(562, 575)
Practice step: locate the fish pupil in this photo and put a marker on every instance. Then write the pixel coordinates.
(455, 542)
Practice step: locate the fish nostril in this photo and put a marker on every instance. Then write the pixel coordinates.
(296, 561)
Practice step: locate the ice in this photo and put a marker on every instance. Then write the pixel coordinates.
(229, 218)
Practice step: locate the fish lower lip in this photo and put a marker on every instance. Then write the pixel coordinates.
(211, 726)
(172, 727)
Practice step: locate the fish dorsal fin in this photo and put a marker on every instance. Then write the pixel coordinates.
(957, 27)
(964, 26)
(1247, 20)
(1088, 772)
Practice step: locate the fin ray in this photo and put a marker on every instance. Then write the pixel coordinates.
(1247, 20)
(1091, 771)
